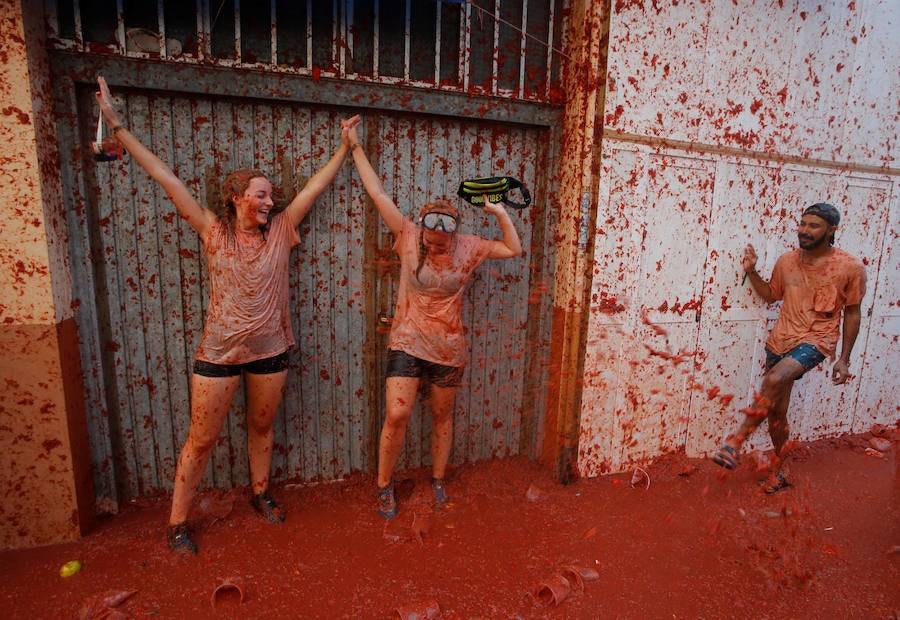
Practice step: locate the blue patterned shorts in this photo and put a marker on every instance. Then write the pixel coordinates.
(808, 356)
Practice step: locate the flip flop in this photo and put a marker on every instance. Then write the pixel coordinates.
(726, 457)
(780, 484)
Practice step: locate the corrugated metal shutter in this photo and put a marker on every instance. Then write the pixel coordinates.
(140, 278)
(423, 158)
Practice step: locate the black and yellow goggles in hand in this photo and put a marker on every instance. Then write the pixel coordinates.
(497, 190)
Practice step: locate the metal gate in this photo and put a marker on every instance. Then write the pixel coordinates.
(140, 281)
(506, 311)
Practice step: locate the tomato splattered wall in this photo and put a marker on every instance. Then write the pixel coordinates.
(722, 122)
(45, 481)
(688, 130)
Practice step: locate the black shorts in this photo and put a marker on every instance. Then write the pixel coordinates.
(402, 364)
(267, 366)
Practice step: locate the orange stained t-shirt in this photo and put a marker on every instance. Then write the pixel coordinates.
(814, 298)
(428, 318)
(249, 312)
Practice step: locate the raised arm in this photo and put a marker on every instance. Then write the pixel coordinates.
(388, 210)
(199, 217)
(510, 246)
(759, 285)
(306, 197)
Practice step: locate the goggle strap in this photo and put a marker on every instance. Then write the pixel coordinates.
(433, 219)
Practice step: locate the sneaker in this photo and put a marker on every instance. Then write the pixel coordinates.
(267, 507)
(180, 539)
(441, 499)
(387, 507)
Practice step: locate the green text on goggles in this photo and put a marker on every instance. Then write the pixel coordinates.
(435, 220)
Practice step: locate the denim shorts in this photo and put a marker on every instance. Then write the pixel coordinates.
(808, 356)
(401, 364)
(267, 366)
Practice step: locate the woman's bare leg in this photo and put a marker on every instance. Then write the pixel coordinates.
(400, 401)
(441, 404)
(264, 394)
(210, 402)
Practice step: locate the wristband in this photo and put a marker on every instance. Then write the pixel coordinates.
(118, 127)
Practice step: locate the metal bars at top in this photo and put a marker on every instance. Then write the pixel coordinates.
(504, 48)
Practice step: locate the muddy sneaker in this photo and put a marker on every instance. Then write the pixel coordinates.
(387, 506)
(441, 499)
(179, 537)
(266, 506)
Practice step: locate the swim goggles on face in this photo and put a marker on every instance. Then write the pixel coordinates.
(434, 220)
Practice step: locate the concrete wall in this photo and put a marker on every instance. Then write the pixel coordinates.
(45, 482)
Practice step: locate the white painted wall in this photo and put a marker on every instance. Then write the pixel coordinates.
(722, 123)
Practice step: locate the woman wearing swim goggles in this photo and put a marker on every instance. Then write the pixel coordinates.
(427, 338)
(435, 220)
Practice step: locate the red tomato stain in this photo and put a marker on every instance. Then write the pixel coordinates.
(607, 304)
(656, 328)
(683, 355)
(50, 444)
(20, 114)
(613, 119)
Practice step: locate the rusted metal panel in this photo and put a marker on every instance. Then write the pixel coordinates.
(142, 320)
(498, 312)
(492, 47)
(332, 386)
(220, 81)
(422, 159)
(81, 204)
(155, 288)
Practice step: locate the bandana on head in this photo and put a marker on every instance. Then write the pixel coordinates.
(825, 211)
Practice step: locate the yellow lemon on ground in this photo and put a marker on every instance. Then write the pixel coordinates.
(69, 568)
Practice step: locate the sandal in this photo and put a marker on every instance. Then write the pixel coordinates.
(775, 484)
(387, 505)
(267, 507)
(180, 539)
(441, 499)
(726, 457)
